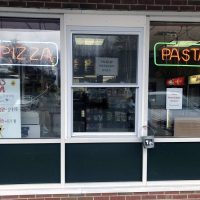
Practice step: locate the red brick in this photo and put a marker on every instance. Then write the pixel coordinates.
(164, 196)
(95, 1)
(9, 197)
(170, 8)
(152, 7)
(60, 195)
(133, 197)
(187, 8)
(146, 2)
(138, 7)
(26, 196)
(117, 198)
(109, 194)
(93, 194)
(68, 198)
(194, 2)
(104, 6)
(43, 195)
(101, 198)
(70, 5)
(179, 2)
(112, 1)
(85, 198)
(129, 2)
(79, 1)
(53, 5)
(172, 192)
(197, 8)
(88, 6)
(148, 197)
(180, 196)
(34, 198)
(76, 195)
(156, 193)
(140, 193)
(163, 2)
(193, 196)
(51, 198)
(35, 4)
(17, 4)
(122, 7)
(3, 3)
(187, 192)
(125, 193)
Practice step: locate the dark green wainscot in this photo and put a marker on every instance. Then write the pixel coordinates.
(103, 162)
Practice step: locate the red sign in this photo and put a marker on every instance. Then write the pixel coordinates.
(179, 81)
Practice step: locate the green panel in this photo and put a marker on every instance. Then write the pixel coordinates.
(103, 162)
(29, 163)
(174, 161)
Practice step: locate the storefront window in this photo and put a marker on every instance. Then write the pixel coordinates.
(104, 109)
(29, 78)
(107, 64)
(104, 58)
(174, 74)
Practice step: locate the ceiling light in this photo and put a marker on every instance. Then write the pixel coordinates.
(89, 41)
(182, 43)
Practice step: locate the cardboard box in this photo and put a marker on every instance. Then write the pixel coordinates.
(30, 131)
(30, 117)
(187, 127)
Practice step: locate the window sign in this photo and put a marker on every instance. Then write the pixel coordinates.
(10, 115)
(26, 53)
(106, 66)
(178, 53)
(195, 79)
(174, 98)
(178, 81)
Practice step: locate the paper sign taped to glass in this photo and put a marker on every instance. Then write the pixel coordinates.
(10, 114)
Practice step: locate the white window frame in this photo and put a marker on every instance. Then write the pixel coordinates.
(86, 18)
(74, 25)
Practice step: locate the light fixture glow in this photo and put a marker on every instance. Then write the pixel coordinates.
(182, 43)
(89, 41)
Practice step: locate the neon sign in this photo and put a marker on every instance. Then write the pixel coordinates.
(26, 53)
(171, 54)
(178, 81)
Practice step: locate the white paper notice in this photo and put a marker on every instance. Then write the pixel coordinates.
(10, 114)
(106, 66)
(174, 98)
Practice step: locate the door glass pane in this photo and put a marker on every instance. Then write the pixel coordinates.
(103, 109)
(105, 58)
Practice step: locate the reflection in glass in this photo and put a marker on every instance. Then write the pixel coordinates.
(30, 58)
(105, 58)
(174, 65)
(103, 110)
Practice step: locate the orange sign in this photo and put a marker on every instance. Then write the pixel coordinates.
(28, 53)
(176, 54)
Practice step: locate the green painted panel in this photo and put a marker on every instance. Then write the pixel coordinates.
(29, 163)
(103, 162)
(174, 161)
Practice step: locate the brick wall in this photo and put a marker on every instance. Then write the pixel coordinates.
(195, 195)
(151, 5)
